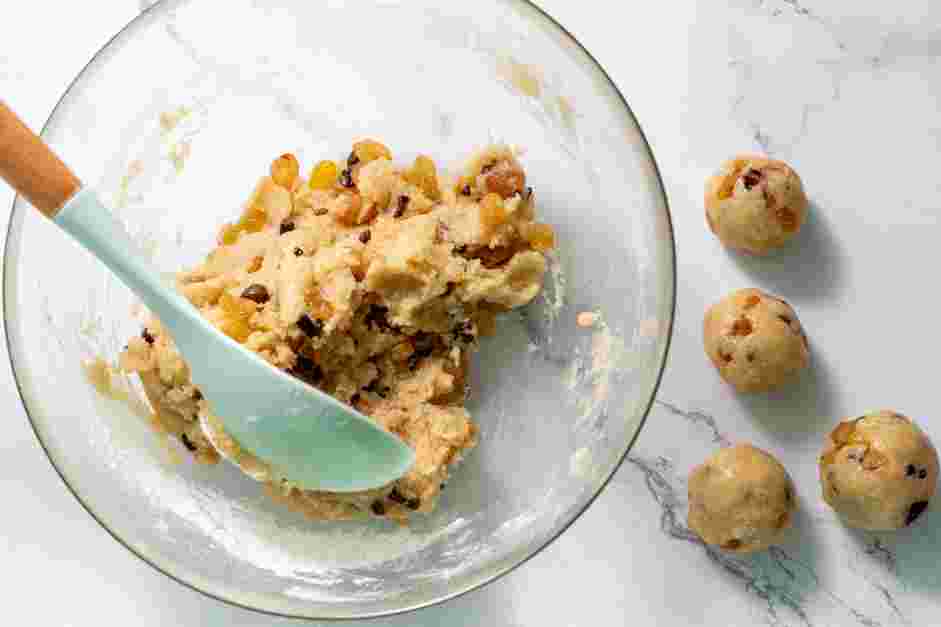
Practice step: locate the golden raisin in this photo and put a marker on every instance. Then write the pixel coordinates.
(316, 304)
(253, 220)
(235, 316)
(424, 175)
(230, 234)
(369, 150)
(285, 170)
(492, 212)
(787, 218)
(742, 327)
(540, 236)
(324, 175)
(255, 264)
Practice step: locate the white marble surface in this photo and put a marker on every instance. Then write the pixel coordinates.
(852, 101)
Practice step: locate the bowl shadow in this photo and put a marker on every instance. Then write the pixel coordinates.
(799, 410)
(809, 268)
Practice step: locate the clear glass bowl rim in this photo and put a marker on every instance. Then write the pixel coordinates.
(671, 241)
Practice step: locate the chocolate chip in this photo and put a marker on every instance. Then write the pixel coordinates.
(378, 508)
(910, 470)
(424, 343)
(401, 206)
(466, 190)
(187, 443)
(256, 292)
(915, 511)
(352, 160)
(465, 332)
(147, 336)
(376, 316)
(286, 227)
(346, 179)
(365, 236)
(312, 327)
(922, 474)
(298, 252)
(751, 178)
(306, 369)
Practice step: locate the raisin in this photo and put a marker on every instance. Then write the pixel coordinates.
(915, 511)
(465, 332)
(449, 288)
(312, 327)
(320, 211)
(466, 190)
(396, 496)
(413, 361)
(355, 399)
(726, 358)
(346, 179)
(197, 395)
(732, 544)
(401, 206)
(352, 160)
(413, 503)
(147, 336)
(460, 250)
(298, 252)
(256, 292)
(378, 508)
(365, 236)
(923, 474)
(487, 168)
(529, 193)
(785, 319)
(751, 178)
(910, 470)
(187, 443)
(286, 227)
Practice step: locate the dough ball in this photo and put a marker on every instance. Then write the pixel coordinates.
(754, 204)
(878, 471)
(740, 499)
(755, 340)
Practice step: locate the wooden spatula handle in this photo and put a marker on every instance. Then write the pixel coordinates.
(30, 166)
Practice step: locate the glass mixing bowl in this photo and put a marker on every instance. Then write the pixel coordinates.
(174, 120)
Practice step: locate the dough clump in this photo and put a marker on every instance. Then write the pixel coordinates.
(741, 499)
(755, 340)
(878, 471)
(755, 204)
(373, 282)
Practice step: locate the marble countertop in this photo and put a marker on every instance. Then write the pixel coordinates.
(851, 100)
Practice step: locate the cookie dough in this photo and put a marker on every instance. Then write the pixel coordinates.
(372, 281)
(878, 471)
(740, 499)
(754, 204)
(755, 340)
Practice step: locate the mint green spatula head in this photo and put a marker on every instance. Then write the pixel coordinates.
(303, 434)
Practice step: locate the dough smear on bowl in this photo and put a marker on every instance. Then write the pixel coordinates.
(372, 281)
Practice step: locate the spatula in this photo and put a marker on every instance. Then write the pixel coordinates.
(305, 435)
